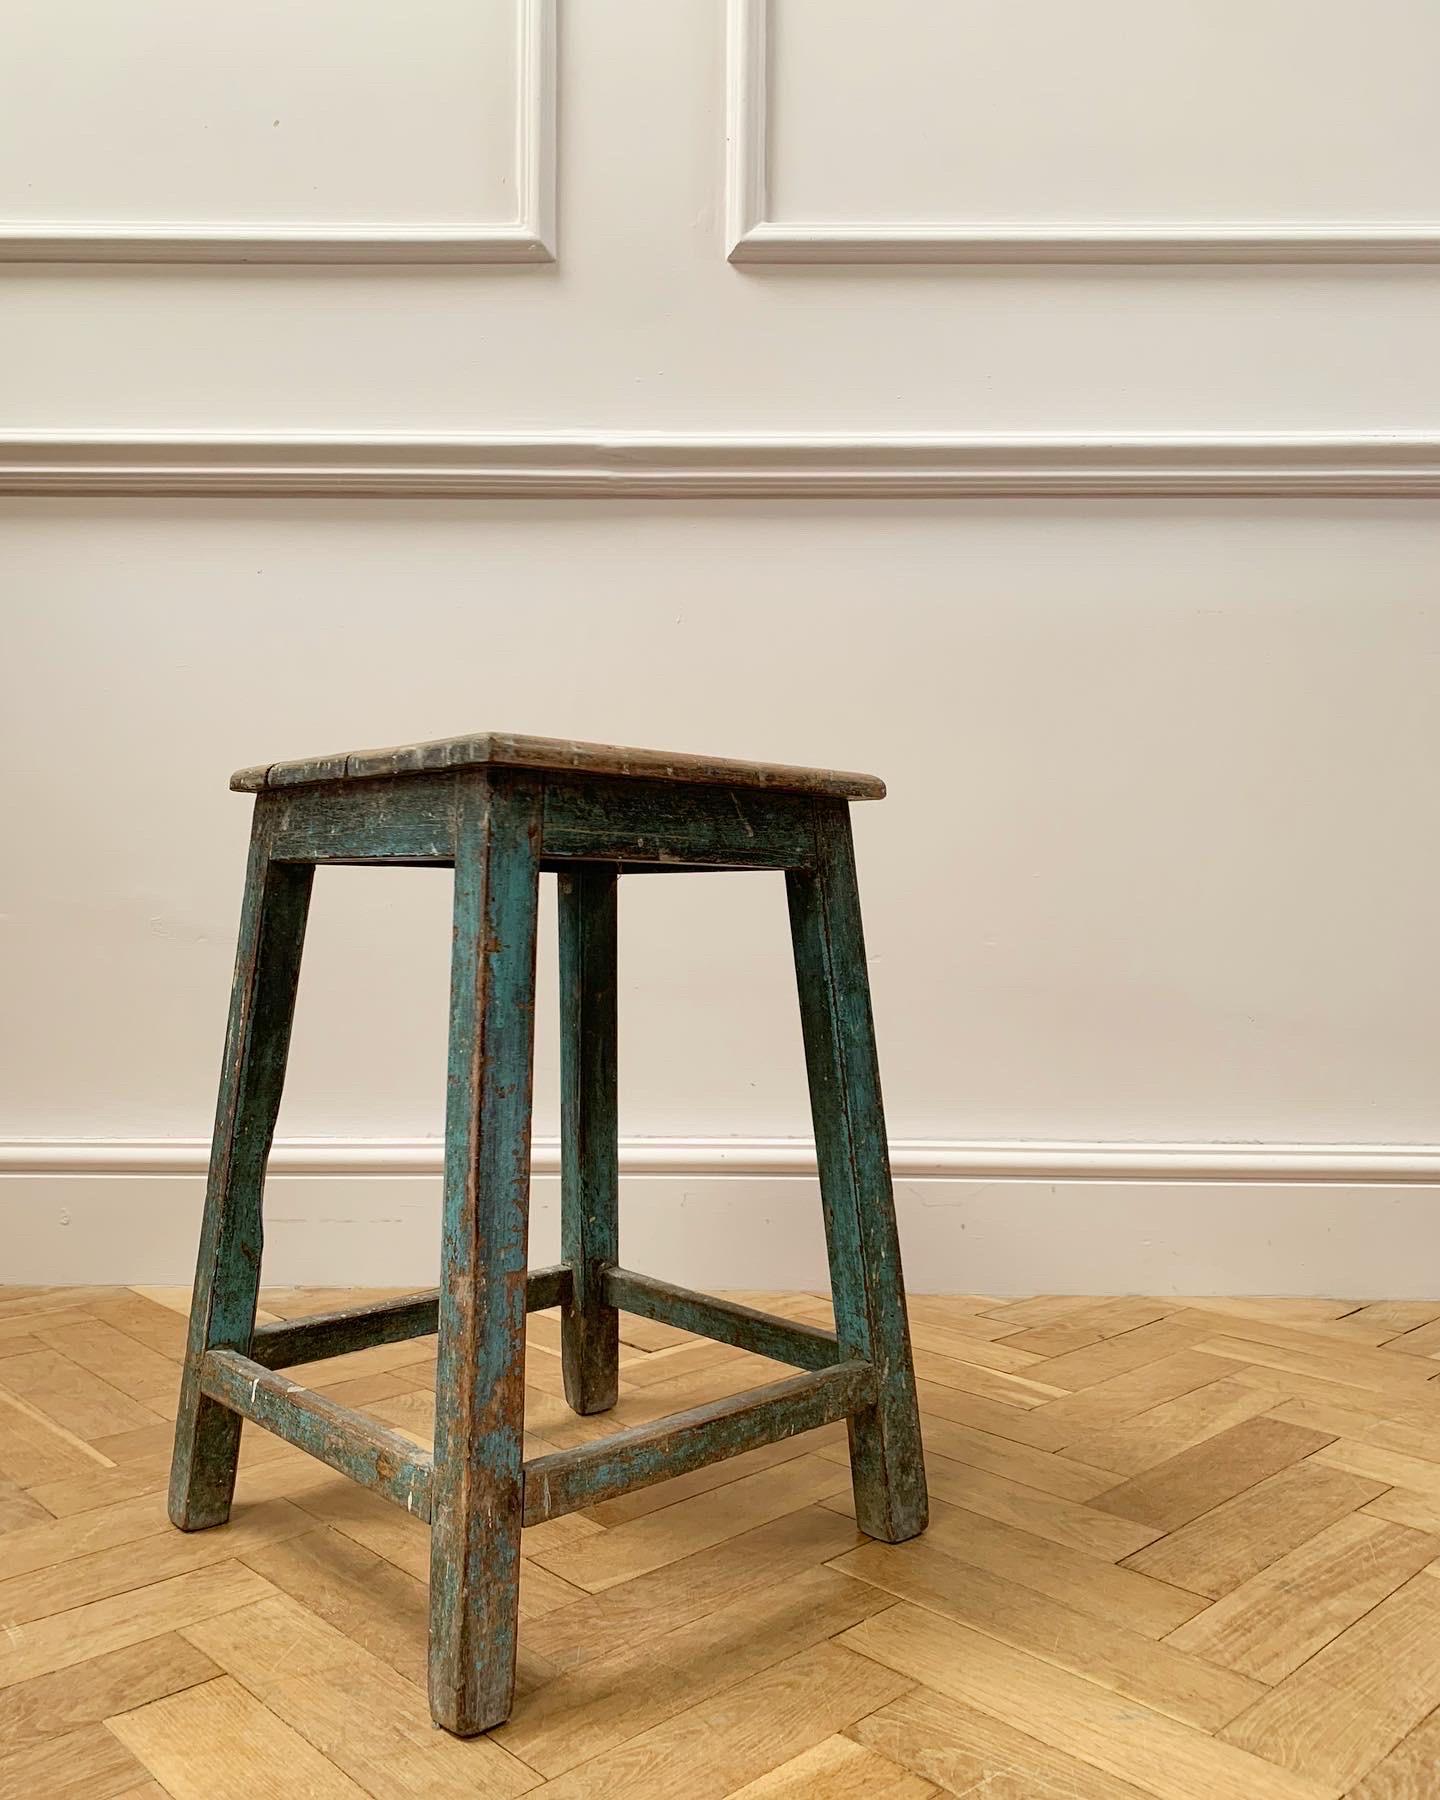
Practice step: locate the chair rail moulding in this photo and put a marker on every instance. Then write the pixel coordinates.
(624, 465)
(695, 1158)
(528, 238)
(754, 237)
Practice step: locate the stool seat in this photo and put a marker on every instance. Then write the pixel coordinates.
(507, 749)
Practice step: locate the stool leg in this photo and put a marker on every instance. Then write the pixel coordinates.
(227, 1269)
(859, 1205)
(477, 1496)
(590, 1160)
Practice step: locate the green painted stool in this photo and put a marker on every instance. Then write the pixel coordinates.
(502, 810)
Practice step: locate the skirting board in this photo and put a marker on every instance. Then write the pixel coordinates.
(597, 465)
(1362, 1222)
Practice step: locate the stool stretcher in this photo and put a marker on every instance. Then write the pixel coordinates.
(782, 1340)
(362, 1327)
(360, 1447)
(568, 1479)
(389, 1463)
(394, 1467)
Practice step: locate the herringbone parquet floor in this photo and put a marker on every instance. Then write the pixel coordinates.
(1180, 1549)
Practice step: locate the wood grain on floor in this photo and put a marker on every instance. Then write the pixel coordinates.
(1180, 1550)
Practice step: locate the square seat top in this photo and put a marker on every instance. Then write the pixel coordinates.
(503, 749)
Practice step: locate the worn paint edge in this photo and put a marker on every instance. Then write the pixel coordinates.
(660, 1449)
(362, 1448)
(1352, 1165)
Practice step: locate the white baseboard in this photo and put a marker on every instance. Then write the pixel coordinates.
(1003, 1218)
(598, 465)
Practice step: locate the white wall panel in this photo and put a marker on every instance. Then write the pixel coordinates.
(1186, 111)
(344, 109)
(642, 324)
(153, 130)
(1123, 576)
(1154, 863)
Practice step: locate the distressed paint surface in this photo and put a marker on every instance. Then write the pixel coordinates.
(227, 1272)
(473, 803)
(370, 821)
(478, 1491)
(859, 1203)
(362, 1448)
(505, 749)
(652, 824)
(351, 1328)
(659, 822)
(589, 1133)
(782, 1340)
(567, 1479)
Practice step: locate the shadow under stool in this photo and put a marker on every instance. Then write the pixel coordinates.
(503, 810)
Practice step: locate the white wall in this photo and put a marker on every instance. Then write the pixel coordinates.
(977, 466)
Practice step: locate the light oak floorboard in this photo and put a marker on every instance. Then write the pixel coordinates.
(1101, 1589)
(1241, 1536)
(981, 1757)
(1090, 1325)
(1113, 1399)
(74, 1397)
(642, 1544)
(736, 1736)
(1068, 1522)
(602, 1704)
(1410, 1771)
(1170, 1760)
(88, 1692)
(1178, 1548)
(673, 1595)
(72, 1637)
(837, 1768)
(1124, 1661)
(1047, 1471)
(1277, 1620)
(1163, 1431)
(1338, 1714)
(367, 1720)
(1180, 1489)
(217, 1742)
(88, 1764)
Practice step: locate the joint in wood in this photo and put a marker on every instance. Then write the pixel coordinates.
(362, 1448)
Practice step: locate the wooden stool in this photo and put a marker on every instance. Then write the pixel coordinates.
(503, 810)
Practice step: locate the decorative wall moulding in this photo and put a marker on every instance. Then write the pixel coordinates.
(1303, 1165)
(652, 465)
(754, 237)
(529, 238)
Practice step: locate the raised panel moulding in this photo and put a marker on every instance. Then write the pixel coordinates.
(529, 237)
(754, 237)
(1395, 465)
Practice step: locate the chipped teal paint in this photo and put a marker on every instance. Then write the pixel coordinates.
(352, 1328)
(856, 1195)
(501, 825)
(365, 1450)
(567, 1479)
(666, 822)
(227, 1272)
(478, 1493)
(589, 1134)
(368, 821)
(782, 1340)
